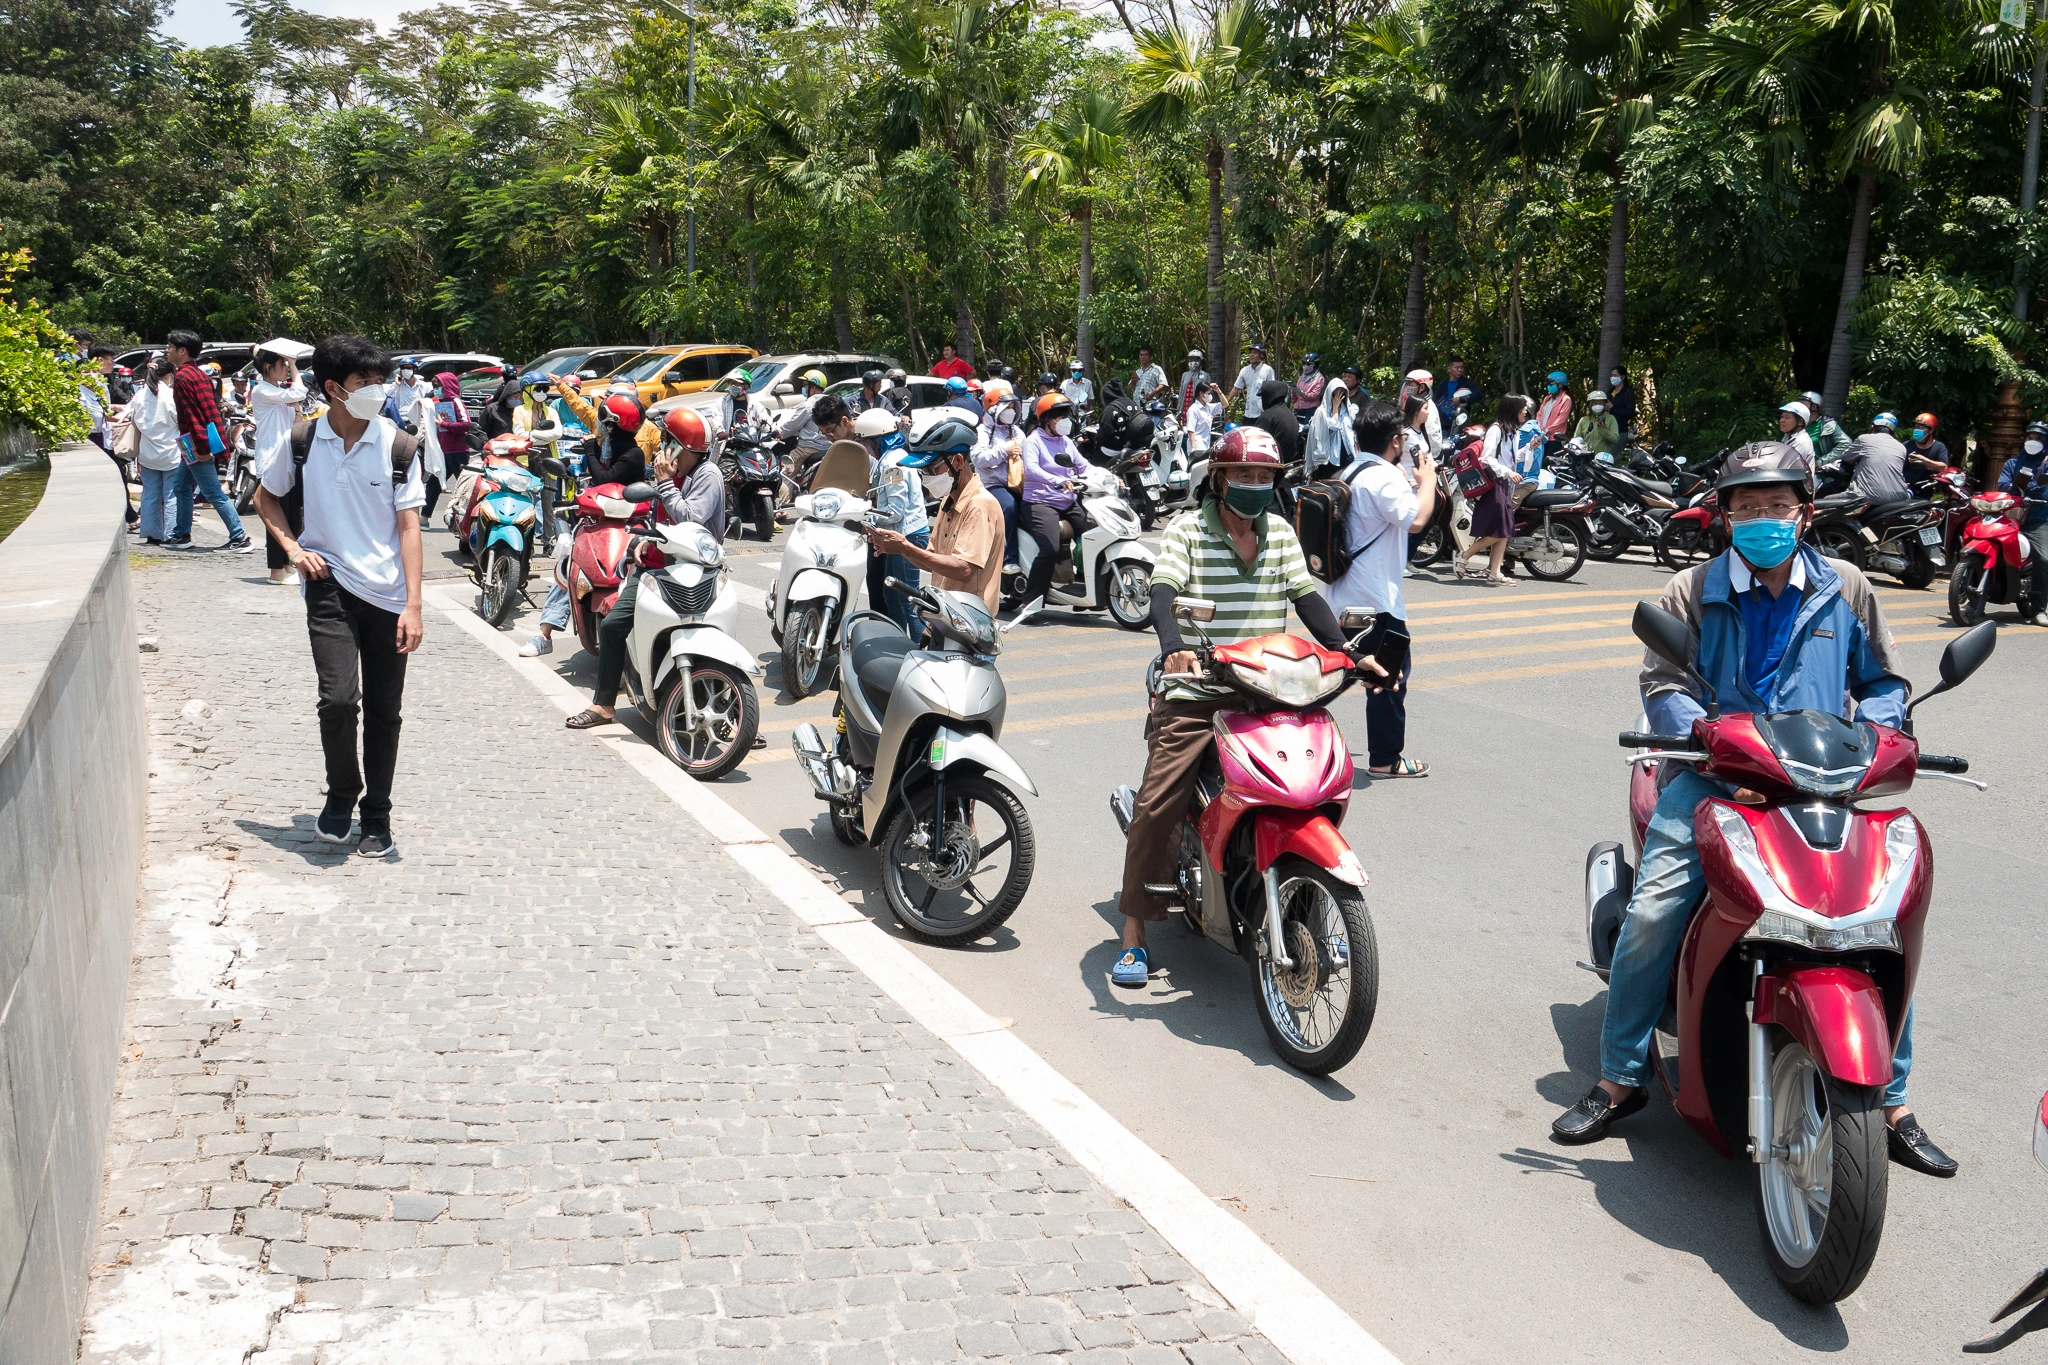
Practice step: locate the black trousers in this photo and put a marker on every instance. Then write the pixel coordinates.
(128, 511)
(1042, 524)
(1386, 713)
(356, 658)
(611, 643)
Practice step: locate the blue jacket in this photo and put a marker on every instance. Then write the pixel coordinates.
(1840, 659)
(2035, 484)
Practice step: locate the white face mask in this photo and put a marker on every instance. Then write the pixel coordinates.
(938, 483)
(1006, 414)
(1062, 427)
(365, 402)
(2033, 447)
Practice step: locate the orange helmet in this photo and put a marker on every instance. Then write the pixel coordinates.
(1245, 445)
(685, 426)
(1928, 420)
(1054, 405)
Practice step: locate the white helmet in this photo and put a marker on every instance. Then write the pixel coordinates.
(875, 422)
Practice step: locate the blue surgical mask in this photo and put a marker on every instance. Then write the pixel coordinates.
(1766, 542)
(1553, 388)
(1919, 433)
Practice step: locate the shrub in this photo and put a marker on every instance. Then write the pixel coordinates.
(38, 389)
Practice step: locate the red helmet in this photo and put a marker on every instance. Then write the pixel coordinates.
(685, 426)
(1928, 420)
(1245, 445)
(571, 383)
(620, 411)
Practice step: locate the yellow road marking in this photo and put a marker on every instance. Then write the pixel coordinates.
(1491, 599)
(1430, 657)
(1432, 636)
(1427, 684)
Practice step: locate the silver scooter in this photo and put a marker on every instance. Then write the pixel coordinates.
(685, 666)
(916, 769)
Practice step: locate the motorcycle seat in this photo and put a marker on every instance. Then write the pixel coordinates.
(1551, 497)
(1832, 501)
(876, 650)
(1902, 507)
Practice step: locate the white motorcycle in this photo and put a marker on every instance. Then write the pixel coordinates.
(1107, 568)
(824, 565)
(684, 667)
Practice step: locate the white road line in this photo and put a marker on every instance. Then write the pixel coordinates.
(1304, 1323)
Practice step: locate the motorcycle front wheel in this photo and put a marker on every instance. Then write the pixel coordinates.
(1604, 543)
(728, 715)
(764, 516)
(804, 670)
(955, 888)
(1317, 1013)
(500, 582)
(1839, 542)
(1560, 552)
(1429, 547)
(1965, 603)
(1130, 595)
(1820, 1193)
(1682, 544)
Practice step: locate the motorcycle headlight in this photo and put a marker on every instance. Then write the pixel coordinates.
(525, 517)
(827, 506)
(1784, 929)
(1291, 682)
(699, 544)
(1784, 920)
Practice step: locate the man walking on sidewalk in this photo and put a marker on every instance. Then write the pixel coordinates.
(199, 426)
(352, 530)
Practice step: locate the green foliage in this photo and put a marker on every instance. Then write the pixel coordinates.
(38, 390)
(1929, 341)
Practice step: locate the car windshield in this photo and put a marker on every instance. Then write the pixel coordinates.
(562, 364)
(645, 366)
(761, 376)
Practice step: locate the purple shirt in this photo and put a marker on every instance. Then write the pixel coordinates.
(1043, 475)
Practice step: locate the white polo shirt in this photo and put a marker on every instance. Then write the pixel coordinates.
(352, 509)
(1383, 506)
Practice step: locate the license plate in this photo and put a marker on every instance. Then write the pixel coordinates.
(1929, 536)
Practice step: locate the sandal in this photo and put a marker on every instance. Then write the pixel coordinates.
(588, 720)
(1403, 767)
(1131, 969)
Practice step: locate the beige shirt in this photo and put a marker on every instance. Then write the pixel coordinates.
(970, 526)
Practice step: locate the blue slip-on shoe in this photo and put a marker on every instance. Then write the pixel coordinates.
(1130, 969)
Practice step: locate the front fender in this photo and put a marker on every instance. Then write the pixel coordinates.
(810, 584)
(704, 642)
(1308, 834)
(1133, 552)
(950, 747)
(1835, 1013)
(507, 536)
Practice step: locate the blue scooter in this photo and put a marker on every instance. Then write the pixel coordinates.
(497, 528)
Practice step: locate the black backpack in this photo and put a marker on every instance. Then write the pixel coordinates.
(1322, 523)
(404, 446)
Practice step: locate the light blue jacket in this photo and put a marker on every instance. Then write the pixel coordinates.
(1840, 659)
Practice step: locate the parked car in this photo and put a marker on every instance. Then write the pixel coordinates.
(660, 372)
(586, 362)
(772, 378)
(457, 362)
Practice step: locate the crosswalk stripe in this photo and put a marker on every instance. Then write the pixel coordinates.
(1429, 658)
(1427, 684)
(1493, 599)
(1432, 636)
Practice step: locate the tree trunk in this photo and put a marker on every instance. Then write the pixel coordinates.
(1233, 319)
(757, 329)
(1616, 304)
(963, 323)
(998, 210)
(1215, 265)
(910, 325)
(1415, 311)
(842, 312)
(1841, 353)
(1084, 338)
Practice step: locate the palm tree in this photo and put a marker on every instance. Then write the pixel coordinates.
(635, 159)
(1061, 159)
(1183, 81)
(1797, 62)
(1605, 83)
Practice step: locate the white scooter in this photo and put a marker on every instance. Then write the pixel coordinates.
(1106, 569)
(684, 667)
(824, 566)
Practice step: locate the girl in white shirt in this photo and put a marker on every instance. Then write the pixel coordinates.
(274, 405)
(154, 411)
(1493, 513)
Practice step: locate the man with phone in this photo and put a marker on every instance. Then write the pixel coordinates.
(1384, 511)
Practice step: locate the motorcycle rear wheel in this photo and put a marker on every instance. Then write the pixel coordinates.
(1821, 1205)
(804, 670)
(728, 715)
(1430, 546)
(1565, 555)
(969, 913)
(1317, 1015)
(500, 581)
(1839, 542)
(1682, 544)
(1965, 603)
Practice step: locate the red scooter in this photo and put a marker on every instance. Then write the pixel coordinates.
(1262, 869)
(1794, 976)
(605, 518)
(2034, 1294)
(1996, 560)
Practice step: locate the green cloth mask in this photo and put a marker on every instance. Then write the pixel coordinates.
(1248, 499)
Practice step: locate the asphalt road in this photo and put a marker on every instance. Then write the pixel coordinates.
(1419, 1186)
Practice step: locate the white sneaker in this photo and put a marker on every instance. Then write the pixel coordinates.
(537, 646)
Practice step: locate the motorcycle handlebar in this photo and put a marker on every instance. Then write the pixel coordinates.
(1943, 763)
(1636, 739)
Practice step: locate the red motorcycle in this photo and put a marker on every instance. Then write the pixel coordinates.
(1794, 976)
(1950, 495)
(604, 519)
(1262, 869)
(1996, 560)
(2034, 1294)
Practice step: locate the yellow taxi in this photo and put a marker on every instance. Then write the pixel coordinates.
(664, 371)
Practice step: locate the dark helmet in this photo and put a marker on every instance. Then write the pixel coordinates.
(1765, 462)
(1048, 380)
(1009, 375)
(947, 436)
(872, 376)
(2038, 429)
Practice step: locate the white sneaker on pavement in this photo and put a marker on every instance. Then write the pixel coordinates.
(537, 646)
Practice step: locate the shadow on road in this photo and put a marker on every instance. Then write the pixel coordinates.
(298, 837)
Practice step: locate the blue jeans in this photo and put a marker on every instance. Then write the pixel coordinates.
(554, 612)
(160, 502)
(200, 474)
(1007, 500)
(1668, 888)
(887, 600)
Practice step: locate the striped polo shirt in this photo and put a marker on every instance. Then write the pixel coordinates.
(1196, 559)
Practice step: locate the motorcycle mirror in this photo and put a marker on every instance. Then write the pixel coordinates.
(784, 390)
(554, 468)
(1673, 641)
(1357, 618)
(1194, 609)
(1965, 655)
(587, 375)
(638, 492)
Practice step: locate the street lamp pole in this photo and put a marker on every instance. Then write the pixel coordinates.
(2030, 177)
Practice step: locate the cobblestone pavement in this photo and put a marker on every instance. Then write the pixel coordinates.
(561, 1084)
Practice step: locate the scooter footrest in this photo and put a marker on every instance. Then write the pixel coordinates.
(1161, 889)
(1595, 969)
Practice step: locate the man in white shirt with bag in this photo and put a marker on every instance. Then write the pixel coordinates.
(1385, 509)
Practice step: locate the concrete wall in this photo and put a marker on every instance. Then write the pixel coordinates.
(73, 787)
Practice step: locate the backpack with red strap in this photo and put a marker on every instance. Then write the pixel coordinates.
(1468, 465)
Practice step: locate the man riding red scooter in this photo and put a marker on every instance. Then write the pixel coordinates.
(1780, 629)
